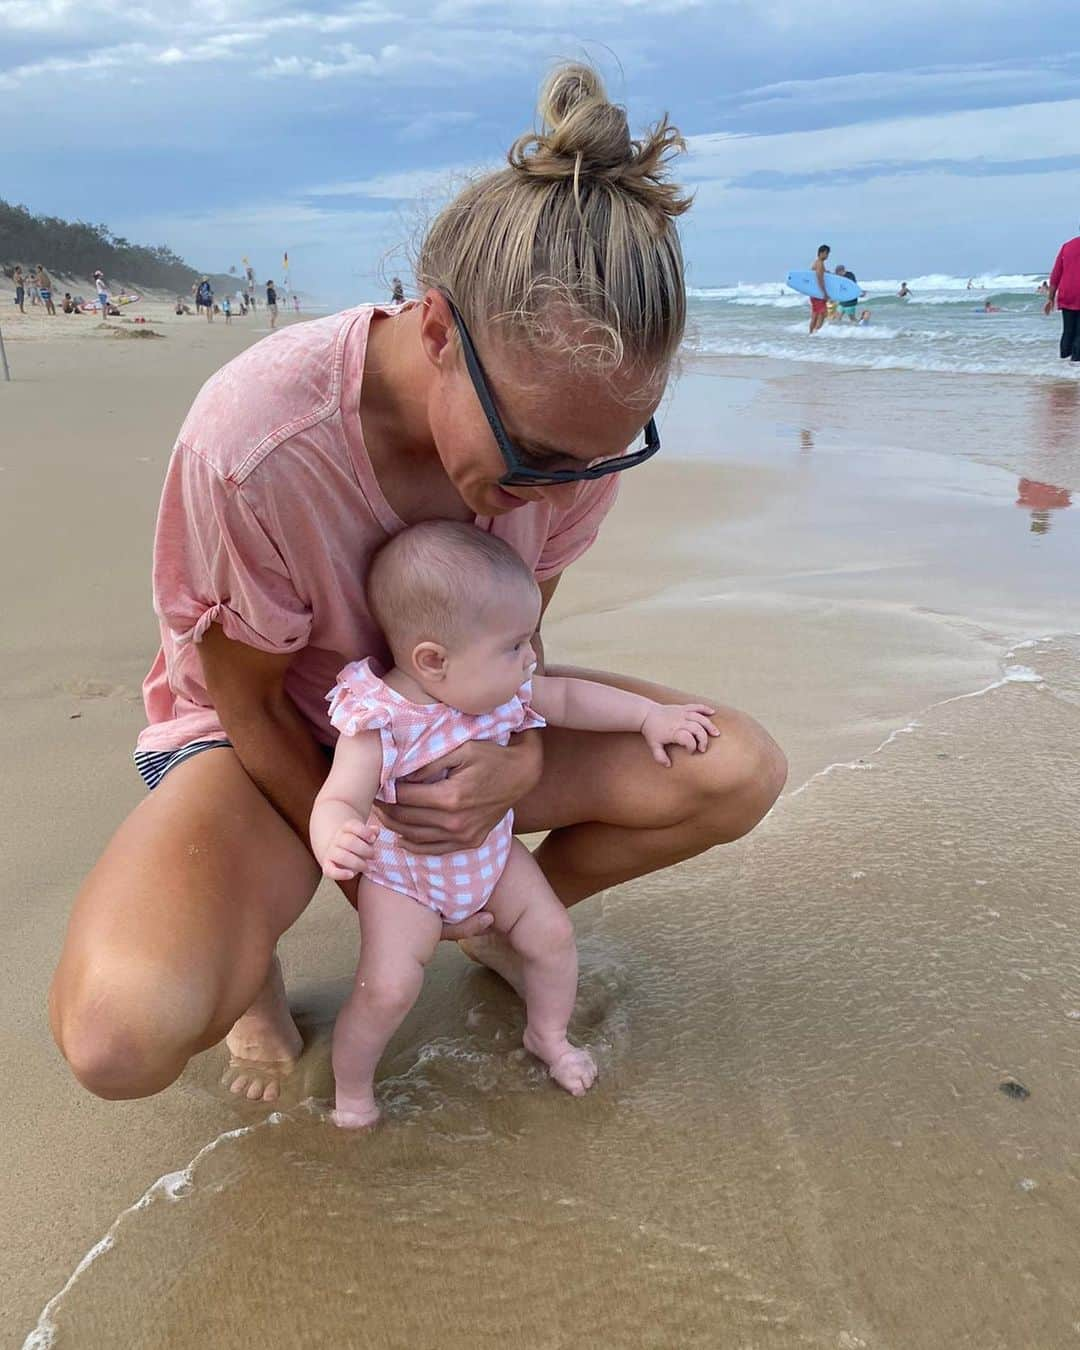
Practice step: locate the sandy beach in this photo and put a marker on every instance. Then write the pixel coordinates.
(804, 1133)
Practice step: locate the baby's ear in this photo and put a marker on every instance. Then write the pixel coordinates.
(430, 660)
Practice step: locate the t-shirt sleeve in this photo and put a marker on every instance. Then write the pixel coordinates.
(215, 563)
(573, 530)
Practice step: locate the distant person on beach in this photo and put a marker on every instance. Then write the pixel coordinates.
(397, 291)
(271, 302)
(485, 398)
(226, 309)
(819, 305)
(1065, 293)
(44, 286)
(903, 292)
(102, 293)
(20, 290)
(296, 304)
(204, 298)
(69, 306)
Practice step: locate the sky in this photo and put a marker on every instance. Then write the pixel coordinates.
(912, 136)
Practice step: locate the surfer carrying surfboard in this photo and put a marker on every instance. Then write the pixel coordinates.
(819, 307)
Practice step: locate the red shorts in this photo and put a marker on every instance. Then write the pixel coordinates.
(817, 306)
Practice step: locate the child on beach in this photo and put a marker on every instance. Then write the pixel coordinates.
(458, 609)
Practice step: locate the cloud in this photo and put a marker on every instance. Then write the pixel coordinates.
(408, 185)
(1028, 132)
(429, 125)
(995, 82)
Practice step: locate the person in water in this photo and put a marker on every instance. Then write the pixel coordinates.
(989, 308)
(819, 305)
(457, 608)
(848, 308)
(1064, 292)
(903, 292)
(497, 398)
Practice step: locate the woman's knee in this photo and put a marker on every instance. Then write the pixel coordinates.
(734, 785)
(126, 1037)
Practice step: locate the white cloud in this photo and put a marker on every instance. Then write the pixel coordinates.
(1033, 131)
(429, 125)
(409, 185)
(1000, 82)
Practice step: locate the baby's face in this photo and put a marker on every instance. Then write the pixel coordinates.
(490, 665)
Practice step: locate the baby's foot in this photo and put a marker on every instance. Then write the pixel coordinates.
(572, 1068)
(355, 1113)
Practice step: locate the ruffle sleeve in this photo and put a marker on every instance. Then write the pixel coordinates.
(357, 704)
(530, 720)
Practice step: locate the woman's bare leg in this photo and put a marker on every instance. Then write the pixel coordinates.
(172, 937)
(615, 814)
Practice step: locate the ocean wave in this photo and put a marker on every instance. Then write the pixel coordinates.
(949, 289)
(864, 355)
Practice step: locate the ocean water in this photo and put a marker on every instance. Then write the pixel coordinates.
(939, 327)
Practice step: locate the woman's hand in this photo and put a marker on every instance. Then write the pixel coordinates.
(482, 782)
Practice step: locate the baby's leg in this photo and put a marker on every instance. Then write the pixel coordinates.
(397, 938)
(538, 927)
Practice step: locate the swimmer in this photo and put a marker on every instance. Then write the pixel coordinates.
(988, 308)
(458, 608)
(903, 292)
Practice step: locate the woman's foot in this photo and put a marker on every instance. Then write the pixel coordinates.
(571, 1067)
(264, 1045)
(493, 950)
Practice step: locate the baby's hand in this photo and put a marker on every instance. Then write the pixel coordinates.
(687, 725)
(349, 850)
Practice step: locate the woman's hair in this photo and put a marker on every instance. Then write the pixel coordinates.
(574, 245)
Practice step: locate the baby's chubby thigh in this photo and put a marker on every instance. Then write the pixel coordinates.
(526, 910)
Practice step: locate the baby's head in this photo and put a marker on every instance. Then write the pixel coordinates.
(458, 608)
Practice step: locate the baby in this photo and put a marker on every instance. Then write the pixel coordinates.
(458, 609)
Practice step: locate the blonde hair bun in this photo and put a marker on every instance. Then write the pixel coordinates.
(584, 136)
(574, 246)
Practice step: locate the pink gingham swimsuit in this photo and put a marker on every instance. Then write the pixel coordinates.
(413, 735)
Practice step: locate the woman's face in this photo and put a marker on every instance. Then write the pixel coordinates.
(557, 418)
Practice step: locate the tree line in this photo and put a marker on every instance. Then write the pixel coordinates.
(77, 248)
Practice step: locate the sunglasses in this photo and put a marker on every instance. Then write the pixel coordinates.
(519, 473)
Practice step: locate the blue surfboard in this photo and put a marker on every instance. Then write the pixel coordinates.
(836, 288)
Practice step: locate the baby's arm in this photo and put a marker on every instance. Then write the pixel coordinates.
(341, 838)
(586, 706)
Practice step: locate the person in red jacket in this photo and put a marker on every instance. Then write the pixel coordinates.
(1065, 293)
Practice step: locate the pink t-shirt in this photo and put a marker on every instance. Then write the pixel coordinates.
(1065, 278)
(268, 517)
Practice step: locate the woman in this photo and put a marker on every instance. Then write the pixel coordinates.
(553, 305)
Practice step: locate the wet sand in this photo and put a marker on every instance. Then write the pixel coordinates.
(800, 1137)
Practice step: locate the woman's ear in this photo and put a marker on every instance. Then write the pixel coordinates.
(429, 661)
(436, 326)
